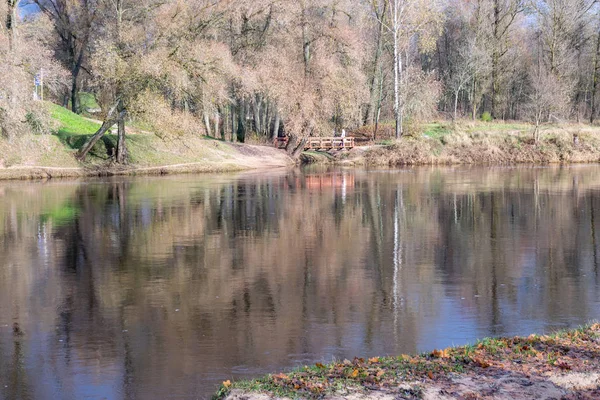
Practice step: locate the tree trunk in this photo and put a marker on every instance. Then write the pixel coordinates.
(217, 121)
(264, 118)
(295, 146)
(456, 93)
(275, 132)
(373, 79)
(377, 116)
(256, 109)
(109, 121)
(207, 123)
(397, 63)
(305, 42)
(495, 59)
(225, 122)
(121, 145)
(595, 79)
(11, 21)
(233, 121)
(379, 101)
(241, 125)
(74, 77)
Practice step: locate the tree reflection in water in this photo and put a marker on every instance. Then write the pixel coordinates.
(158, 287)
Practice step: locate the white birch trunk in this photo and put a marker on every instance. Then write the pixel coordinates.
(397, 62)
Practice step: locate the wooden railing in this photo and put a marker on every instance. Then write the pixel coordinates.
(321, 143)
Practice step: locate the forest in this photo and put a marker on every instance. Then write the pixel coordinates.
(260, 69)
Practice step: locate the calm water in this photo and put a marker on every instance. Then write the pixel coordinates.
(159, 288)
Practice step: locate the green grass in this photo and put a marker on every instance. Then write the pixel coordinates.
(73, 130)
(69, 123)
(144, 149)
(320, 380)
(87, 101)
(500, 127)
(318, 154)
(386, 142)
(140, 125)
(436, 130)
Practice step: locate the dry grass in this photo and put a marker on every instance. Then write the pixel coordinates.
(492, 144)
(49, 156)
(182, 150)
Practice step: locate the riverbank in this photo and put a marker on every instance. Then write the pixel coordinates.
(53, 155)
(201, 156)
(565, 365)
(479, 143)
(442, 143)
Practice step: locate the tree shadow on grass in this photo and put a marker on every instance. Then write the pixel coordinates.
(103, 149)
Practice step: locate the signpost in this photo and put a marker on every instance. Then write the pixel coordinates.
(38, 81)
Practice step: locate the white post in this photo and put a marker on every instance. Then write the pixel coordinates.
(42, 83)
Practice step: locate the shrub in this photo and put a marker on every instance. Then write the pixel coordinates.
(486, 117)
(36, 123)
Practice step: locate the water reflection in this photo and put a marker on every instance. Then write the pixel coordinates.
(162, 288)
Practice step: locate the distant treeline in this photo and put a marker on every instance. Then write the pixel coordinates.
(231, 69)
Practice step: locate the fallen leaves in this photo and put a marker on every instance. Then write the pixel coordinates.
(563, 365)
(440, 353)
(480, 362)
(530, 356)
(281, 377)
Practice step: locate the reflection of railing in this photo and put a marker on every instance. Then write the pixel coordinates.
(329, 181)
(321, 143)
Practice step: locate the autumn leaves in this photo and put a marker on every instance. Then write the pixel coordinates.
(536, 357)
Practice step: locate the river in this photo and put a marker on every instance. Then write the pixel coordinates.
(161, 288)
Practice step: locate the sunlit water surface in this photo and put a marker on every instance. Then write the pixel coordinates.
(156, 288)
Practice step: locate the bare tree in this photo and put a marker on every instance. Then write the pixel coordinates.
(379, 10)
(549, 96)
(75, 23)
(410, 20)
(503, 18)
(23, 53)
(469, 63)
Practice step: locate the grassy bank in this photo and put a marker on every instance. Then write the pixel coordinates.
(483, 143)
(563, 365)
(53, 155)
(440, 143)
